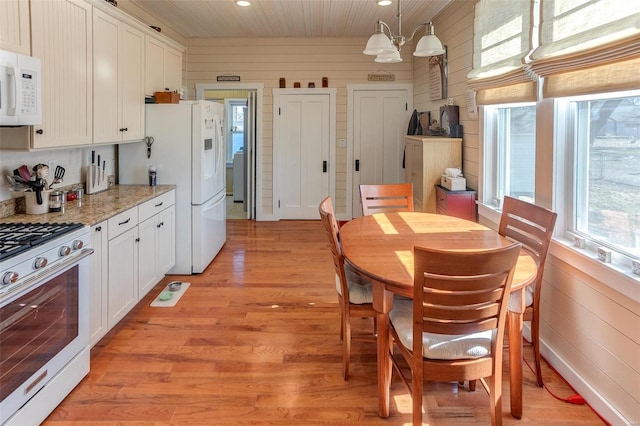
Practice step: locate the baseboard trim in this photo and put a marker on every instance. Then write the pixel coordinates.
(597, 402)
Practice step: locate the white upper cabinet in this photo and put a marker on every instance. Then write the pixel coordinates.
(118, 80)
(163, 67)
(14, 26)
(61, 36)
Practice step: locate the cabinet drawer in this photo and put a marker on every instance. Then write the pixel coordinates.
(156, 205)
(122, 222)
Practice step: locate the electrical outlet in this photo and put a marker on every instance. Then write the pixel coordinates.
(635, 267)
(604, 254)
(579, 242)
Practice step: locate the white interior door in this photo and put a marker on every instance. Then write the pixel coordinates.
(303, 141)
(380, 119)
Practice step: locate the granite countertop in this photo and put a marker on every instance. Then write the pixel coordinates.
(95, 208)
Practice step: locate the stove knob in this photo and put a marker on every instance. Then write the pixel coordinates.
(78, 244)
(64, 251)
(40, 262)
(9, 278)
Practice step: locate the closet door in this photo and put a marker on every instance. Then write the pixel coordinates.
(379, 125)
(303, 149)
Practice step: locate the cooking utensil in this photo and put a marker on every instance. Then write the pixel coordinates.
(149, 141)
(17, 185)
(58, 174)
(38, 186)
(23, 172)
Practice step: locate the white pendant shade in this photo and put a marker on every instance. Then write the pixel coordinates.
(378, 43)
(387, 47)
(429, 45)
(389, 58)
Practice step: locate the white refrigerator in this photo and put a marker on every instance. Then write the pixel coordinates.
(188, 151)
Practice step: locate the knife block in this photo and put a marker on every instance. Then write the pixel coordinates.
(96, 180)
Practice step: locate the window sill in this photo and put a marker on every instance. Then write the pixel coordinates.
(613, 275)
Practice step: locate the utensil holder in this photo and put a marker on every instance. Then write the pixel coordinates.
(31, 204)
(96, 180)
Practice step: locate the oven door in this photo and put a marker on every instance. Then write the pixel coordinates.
(42, 328)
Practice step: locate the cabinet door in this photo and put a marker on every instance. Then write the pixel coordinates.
(166, 240)
(14, 26)
(132, 83)
(147, 258)
(172, 69)
(154, 66)
(106, 93)
(123, 275)
(98, 290)
(61, 36)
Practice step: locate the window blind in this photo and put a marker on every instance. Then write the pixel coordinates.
(588, 46)
(504, 33)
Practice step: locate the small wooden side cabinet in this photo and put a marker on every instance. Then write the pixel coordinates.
(460, 204)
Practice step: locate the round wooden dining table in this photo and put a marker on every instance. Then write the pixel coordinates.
(380, 247)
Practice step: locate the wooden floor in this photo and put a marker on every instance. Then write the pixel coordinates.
(255, 340)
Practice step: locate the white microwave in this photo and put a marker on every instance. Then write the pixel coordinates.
(20, 90)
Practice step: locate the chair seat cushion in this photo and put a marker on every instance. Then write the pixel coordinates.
(438, 346)
(514, 299)
(360, 289)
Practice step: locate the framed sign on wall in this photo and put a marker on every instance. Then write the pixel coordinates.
(438, 76)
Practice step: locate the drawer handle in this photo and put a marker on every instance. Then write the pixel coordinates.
(137, 240)
(125, 222)
(98, 228)
(160, 203)
(161, 224)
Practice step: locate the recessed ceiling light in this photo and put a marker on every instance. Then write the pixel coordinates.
(243, 3)
(384, 2)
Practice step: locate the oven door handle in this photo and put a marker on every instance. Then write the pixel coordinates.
(54, 270)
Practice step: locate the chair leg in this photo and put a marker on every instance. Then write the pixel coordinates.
(535, 340)
(346, 346)
(416, 397)
(472, 385)
(495, 398)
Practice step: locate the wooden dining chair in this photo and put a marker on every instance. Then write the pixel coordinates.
(355, 293)
(453, 329)
(386, 198)
(532, 226)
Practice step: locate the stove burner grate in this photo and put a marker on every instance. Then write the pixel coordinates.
(16, 238)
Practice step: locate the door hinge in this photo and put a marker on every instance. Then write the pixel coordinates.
(278, 203)
(406, 106)
(279, 111)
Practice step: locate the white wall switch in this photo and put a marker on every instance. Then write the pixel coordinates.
(604, 254)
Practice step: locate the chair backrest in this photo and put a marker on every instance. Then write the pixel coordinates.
(386, 198)
(458, 293)
(328, 218)
(530, 225)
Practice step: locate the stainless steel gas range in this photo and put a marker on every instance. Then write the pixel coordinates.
(44, 336)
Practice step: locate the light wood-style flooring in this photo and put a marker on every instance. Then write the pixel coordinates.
(255, 340)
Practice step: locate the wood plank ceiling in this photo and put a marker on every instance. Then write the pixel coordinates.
(288, 18)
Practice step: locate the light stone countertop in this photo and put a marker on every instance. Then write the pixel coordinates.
(95, 208)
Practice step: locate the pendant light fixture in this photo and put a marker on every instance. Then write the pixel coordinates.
(386, 47)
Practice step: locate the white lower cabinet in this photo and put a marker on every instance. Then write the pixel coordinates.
(98, 291)
(123, 264)
(133, 251)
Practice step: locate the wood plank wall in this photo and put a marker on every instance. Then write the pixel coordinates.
(590, 332)
(301, 60)
(454, 27)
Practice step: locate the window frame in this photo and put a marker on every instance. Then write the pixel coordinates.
(494, 177)
(566, 200)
